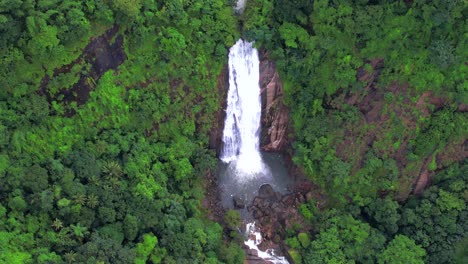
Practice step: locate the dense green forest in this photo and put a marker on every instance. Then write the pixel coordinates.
(106, 106)
(378, 94)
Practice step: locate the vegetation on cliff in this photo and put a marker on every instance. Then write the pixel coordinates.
(104, 112)
(377, 92)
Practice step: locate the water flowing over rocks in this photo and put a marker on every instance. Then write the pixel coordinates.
(274, 213)
(243, 112)
(275, 115)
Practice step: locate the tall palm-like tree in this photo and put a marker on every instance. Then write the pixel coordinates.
(112, 169)
(70, 257)
(92, 201)
(80, 199)
(57, 224)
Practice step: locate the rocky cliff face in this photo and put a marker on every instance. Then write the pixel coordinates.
(216, 133)
(275, 115)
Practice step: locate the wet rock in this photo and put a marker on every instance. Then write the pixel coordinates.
(301, 198)
(252, 252)
(239, 203)
(258, 261)
(257, 214)
(266, 191)
(255, 260)
(288, 199)
(251, 208)
(274, 213)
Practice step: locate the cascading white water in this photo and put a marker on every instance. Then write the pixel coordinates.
(242, 130)
(255, 238)
(240, 6)
(242, 124)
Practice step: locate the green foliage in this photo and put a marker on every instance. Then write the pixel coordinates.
(304, 239)
(232, 253)
(296, 257)
(148, 250)
(12, 249)
(293, 242)
(402, 250)
(384, 214)
(361, 79)
(232, 219)
(437, 221)
(96, 180)
(344, 239)
(118, 177)
(17, 204)
(307, 210)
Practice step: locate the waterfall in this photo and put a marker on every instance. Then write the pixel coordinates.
(241, 134)
(243, 112)
(240, 6)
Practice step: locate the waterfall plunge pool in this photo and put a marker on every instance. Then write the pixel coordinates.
(233, 182)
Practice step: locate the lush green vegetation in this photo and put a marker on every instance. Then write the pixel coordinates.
(105, 108)
(375, 90)
(116, 176)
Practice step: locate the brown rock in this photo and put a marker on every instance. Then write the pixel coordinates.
(257, 214)
(239, 203)
(266, 191)
(252, 252)
(275, 115)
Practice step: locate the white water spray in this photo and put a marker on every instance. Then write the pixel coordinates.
(242, 124)
(254, 239)
(240, 6)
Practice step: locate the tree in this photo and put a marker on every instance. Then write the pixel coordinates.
(232, 219)
(384, 213)
(344, 239)
(148, 250)
(130, 8)
(402, 250)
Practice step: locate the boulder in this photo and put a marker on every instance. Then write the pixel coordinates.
(257, 214)
(266, 191)
(252, 252)
(239, 203)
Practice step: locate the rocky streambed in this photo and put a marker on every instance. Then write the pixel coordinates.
(274, 213)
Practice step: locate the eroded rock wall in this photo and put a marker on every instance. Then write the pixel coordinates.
(275, 115)
(216, 133)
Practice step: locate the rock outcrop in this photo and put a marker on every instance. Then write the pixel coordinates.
(275, 115)
(103, 53)
(275, 213)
